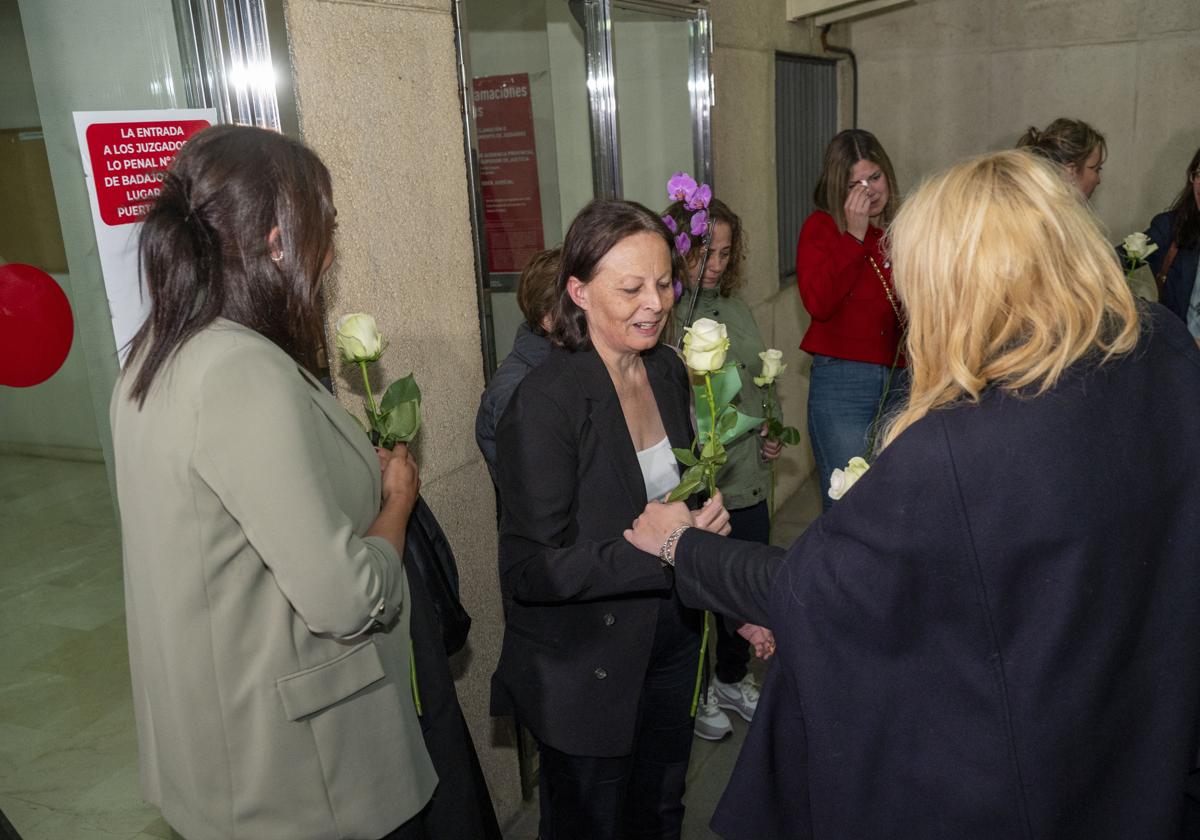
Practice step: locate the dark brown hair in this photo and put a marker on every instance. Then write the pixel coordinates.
(1065, 142)
(600, 225)
(718, 211)
(844, 150)
(536, 291)
(204, 250)
(1185, 230)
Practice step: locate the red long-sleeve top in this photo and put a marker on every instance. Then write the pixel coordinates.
(852, 317)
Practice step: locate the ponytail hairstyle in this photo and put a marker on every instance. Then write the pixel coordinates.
(242, 229)
(1185, 231)
(1069, 143)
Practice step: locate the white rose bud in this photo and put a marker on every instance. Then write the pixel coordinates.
(358, 338)
(1138, 246)
(772, 367)
(705, 346)
(842, 480)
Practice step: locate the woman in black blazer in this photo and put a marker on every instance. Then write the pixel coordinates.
(995, 633)
(599, 656)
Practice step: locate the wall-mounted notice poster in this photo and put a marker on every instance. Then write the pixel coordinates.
(512, 204)
(125, 154)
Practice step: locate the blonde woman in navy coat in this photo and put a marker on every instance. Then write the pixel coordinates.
(994, 634)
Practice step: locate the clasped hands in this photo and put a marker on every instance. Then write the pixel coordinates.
(651, 529)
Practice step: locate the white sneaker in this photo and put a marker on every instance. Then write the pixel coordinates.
(740, 697)
(711, 723)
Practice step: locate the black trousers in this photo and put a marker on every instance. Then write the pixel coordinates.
(733, 652)
(461, 806)
(639, 795)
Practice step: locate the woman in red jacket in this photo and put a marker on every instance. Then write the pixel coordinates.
(845, 282)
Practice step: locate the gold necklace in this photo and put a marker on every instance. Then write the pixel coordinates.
(887, 290)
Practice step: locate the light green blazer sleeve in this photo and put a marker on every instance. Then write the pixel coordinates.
(339, 584)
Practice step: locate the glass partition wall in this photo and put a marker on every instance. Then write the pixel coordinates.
(66, 718)
(572, 100)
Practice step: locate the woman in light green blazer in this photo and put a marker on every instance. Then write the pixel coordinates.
(268, 609)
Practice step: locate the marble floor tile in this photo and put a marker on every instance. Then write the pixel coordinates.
(68, 747)
(24, 816)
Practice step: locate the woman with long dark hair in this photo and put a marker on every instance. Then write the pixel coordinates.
(1176, 263)
(271, 622)
(845, 281)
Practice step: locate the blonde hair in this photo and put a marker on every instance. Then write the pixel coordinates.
(1007, 280)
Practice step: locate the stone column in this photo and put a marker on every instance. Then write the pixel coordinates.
(377, 87)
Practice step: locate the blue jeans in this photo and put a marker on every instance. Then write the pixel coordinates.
(843, 400)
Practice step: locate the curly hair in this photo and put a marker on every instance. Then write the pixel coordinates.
(732, 278)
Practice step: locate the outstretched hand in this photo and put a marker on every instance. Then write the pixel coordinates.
(762, 640)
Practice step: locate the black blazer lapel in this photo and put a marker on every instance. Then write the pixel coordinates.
(672, 393)
(604, 410)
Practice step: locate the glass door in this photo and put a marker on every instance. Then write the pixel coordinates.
(571, 100)
(70, 764)
(660, 71)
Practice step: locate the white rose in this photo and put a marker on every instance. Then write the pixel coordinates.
(772, 367)
(1139, 246)
(842, 480)
(705, 346)
(358, 338)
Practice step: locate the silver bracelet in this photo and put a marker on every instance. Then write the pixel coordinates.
(667, 552)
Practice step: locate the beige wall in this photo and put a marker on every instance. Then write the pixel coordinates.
(944, 79)
(379, 101)
(747, 34)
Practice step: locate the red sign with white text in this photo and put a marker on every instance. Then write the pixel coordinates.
(129, 160)
(512, 202)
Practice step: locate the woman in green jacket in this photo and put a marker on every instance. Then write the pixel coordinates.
(746, 478)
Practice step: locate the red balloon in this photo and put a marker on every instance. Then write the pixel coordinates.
(36, 327)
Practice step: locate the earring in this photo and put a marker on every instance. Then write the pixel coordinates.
(277, 257)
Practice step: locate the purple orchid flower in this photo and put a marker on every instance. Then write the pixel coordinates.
(680, 187)
(683, 242)
(678, 287)
(700, 223)
(700, 198)
(669, 221)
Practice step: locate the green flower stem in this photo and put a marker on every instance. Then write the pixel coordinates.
(700, 664)
(412, 675)
(770, 407)
(367, 387)
(711, 473)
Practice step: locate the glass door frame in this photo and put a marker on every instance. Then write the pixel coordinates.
(236, 60)
(603, 112)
